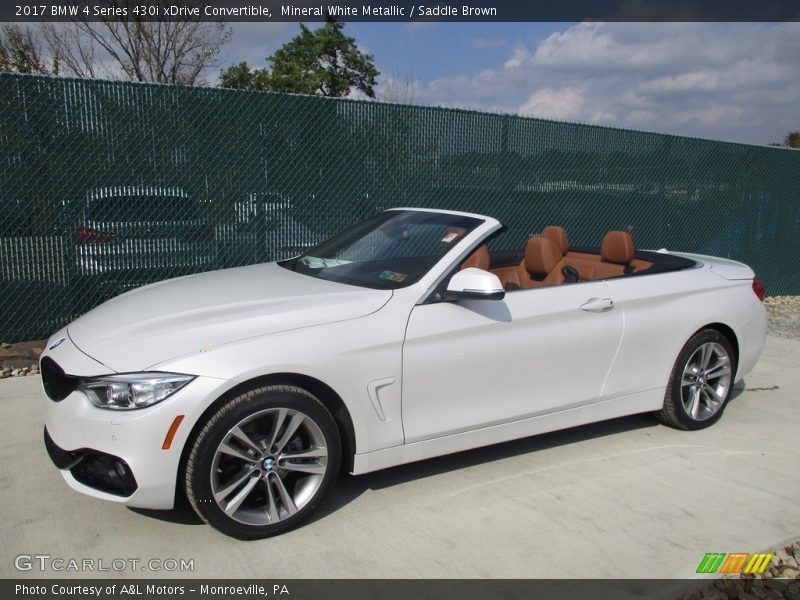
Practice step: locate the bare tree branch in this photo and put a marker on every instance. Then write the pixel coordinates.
(399, 89)
(163, 52)
(21, 52)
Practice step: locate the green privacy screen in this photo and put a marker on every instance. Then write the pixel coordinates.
(109, 185)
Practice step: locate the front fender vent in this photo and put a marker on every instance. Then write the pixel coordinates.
(57, 384)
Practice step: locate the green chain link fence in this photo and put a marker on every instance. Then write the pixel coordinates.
(109, 185)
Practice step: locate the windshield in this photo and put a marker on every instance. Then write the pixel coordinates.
(389, 251)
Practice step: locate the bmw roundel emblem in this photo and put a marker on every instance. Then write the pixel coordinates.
(57, 343)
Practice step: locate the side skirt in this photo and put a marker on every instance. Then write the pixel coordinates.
(640, 402)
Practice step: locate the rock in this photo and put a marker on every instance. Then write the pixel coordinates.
(774, 585)
(791, 594)
(723, 584)
(772, 570)
(15, 372)
(758, 591)
(33, 372)
(789, 573)
(5, 345)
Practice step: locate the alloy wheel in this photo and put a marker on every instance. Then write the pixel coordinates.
(268, 466)
(705, 381)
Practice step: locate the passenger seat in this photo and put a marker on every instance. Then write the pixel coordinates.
(540, 267)
(559, 236)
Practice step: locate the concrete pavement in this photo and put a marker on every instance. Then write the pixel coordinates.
(626, 498)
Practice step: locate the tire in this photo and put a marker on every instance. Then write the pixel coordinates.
(263, 462)
(701, 382)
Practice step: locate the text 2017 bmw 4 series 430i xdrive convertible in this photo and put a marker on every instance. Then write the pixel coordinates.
(400, 339)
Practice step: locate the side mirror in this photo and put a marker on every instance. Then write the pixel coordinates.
(474, 284)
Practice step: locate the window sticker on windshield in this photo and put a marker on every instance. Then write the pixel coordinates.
(314, 262)
(449, 237)
(392, 276)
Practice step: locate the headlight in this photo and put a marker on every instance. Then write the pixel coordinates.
(132, 390)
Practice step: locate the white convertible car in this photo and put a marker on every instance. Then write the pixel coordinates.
(400, 339)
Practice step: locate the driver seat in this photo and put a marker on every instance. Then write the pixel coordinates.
(479, 259)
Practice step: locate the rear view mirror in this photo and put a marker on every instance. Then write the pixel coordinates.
(475, 284)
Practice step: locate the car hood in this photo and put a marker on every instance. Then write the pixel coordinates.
(158, 322)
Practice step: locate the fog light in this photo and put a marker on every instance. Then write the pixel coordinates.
(119, 469)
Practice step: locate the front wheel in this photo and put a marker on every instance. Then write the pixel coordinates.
(701, 382)
(263, 462)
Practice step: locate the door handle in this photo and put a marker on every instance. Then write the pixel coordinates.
(598, 305)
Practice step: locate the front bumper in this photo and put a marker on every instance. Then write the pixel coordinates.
(97, 470)
(119, 455)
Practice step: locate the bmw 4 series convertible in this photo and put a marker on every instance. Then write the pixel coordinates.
(399, 339)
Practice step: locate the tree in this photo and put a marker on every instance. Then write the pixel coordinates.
(792, 139)
(242, 77)
(20, 52)
(156, 51)
(324, 62)
(399, 89)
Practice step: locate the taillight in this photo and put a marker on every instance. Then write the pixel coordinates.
(87, 235)
(758, 288)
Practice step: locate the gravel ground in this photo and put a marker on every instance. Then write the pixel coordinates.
(20, 359)
(784, 316)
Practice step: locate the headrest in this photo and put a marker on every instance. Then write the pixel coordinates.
(479, 259)
(617, 247)
(541, 256)
(559, 236)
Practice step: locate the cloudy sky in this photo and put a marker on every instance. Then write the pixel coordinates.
(731, 81)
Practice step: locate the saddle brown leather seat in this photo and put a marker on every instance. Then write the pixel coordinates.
(540, 267)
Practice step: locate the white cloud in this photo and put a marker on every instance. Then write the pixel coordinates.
(722, 80)
(518, 58)
(565, 103)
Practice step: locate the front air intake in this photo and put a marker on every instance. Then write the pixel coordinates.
(57, 384)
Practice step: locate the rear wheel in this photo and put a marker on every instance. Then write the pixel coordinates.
(263, 462)
(701, 382)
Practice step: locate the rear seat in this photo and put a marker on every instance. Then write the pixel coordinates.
(616, 256)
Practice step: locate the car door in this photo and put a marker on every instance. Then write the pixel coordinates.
(478, 363)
